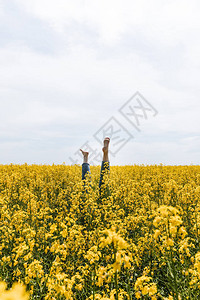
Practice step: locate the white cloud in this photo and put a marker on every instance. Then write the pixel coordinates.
(164, 21)
(68, 66)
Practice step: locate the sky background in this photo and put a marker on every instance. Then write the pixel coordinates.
(67, 67)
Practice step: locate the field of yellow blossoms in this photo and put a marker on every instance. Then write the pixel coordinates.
(60, 240)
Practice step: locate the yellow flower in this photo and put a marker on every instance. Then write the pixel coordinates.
(17, 292)
(145, 290)
(173, 230)
(156, 234)
(3, 286)
(152, 289)
(170, 242)
(138, 295)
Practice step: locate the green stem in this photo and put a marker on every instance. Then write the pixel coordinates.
(116, 285)
(128, 284)
(93, 284)
(174, 275)
(116, 281)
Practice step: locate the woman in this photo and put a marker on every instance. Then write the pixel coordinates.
(105, 165)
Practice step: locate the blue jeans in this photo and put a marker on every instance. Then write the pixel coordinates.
(104, 166)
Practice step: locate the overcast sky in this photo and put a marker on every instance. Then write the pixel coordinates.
(67, 67)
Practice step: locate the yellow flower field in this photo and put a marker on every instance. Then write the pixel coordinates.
(60, 240)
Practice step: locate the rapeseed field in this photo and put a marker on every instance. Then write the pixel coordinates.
(60, 240)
